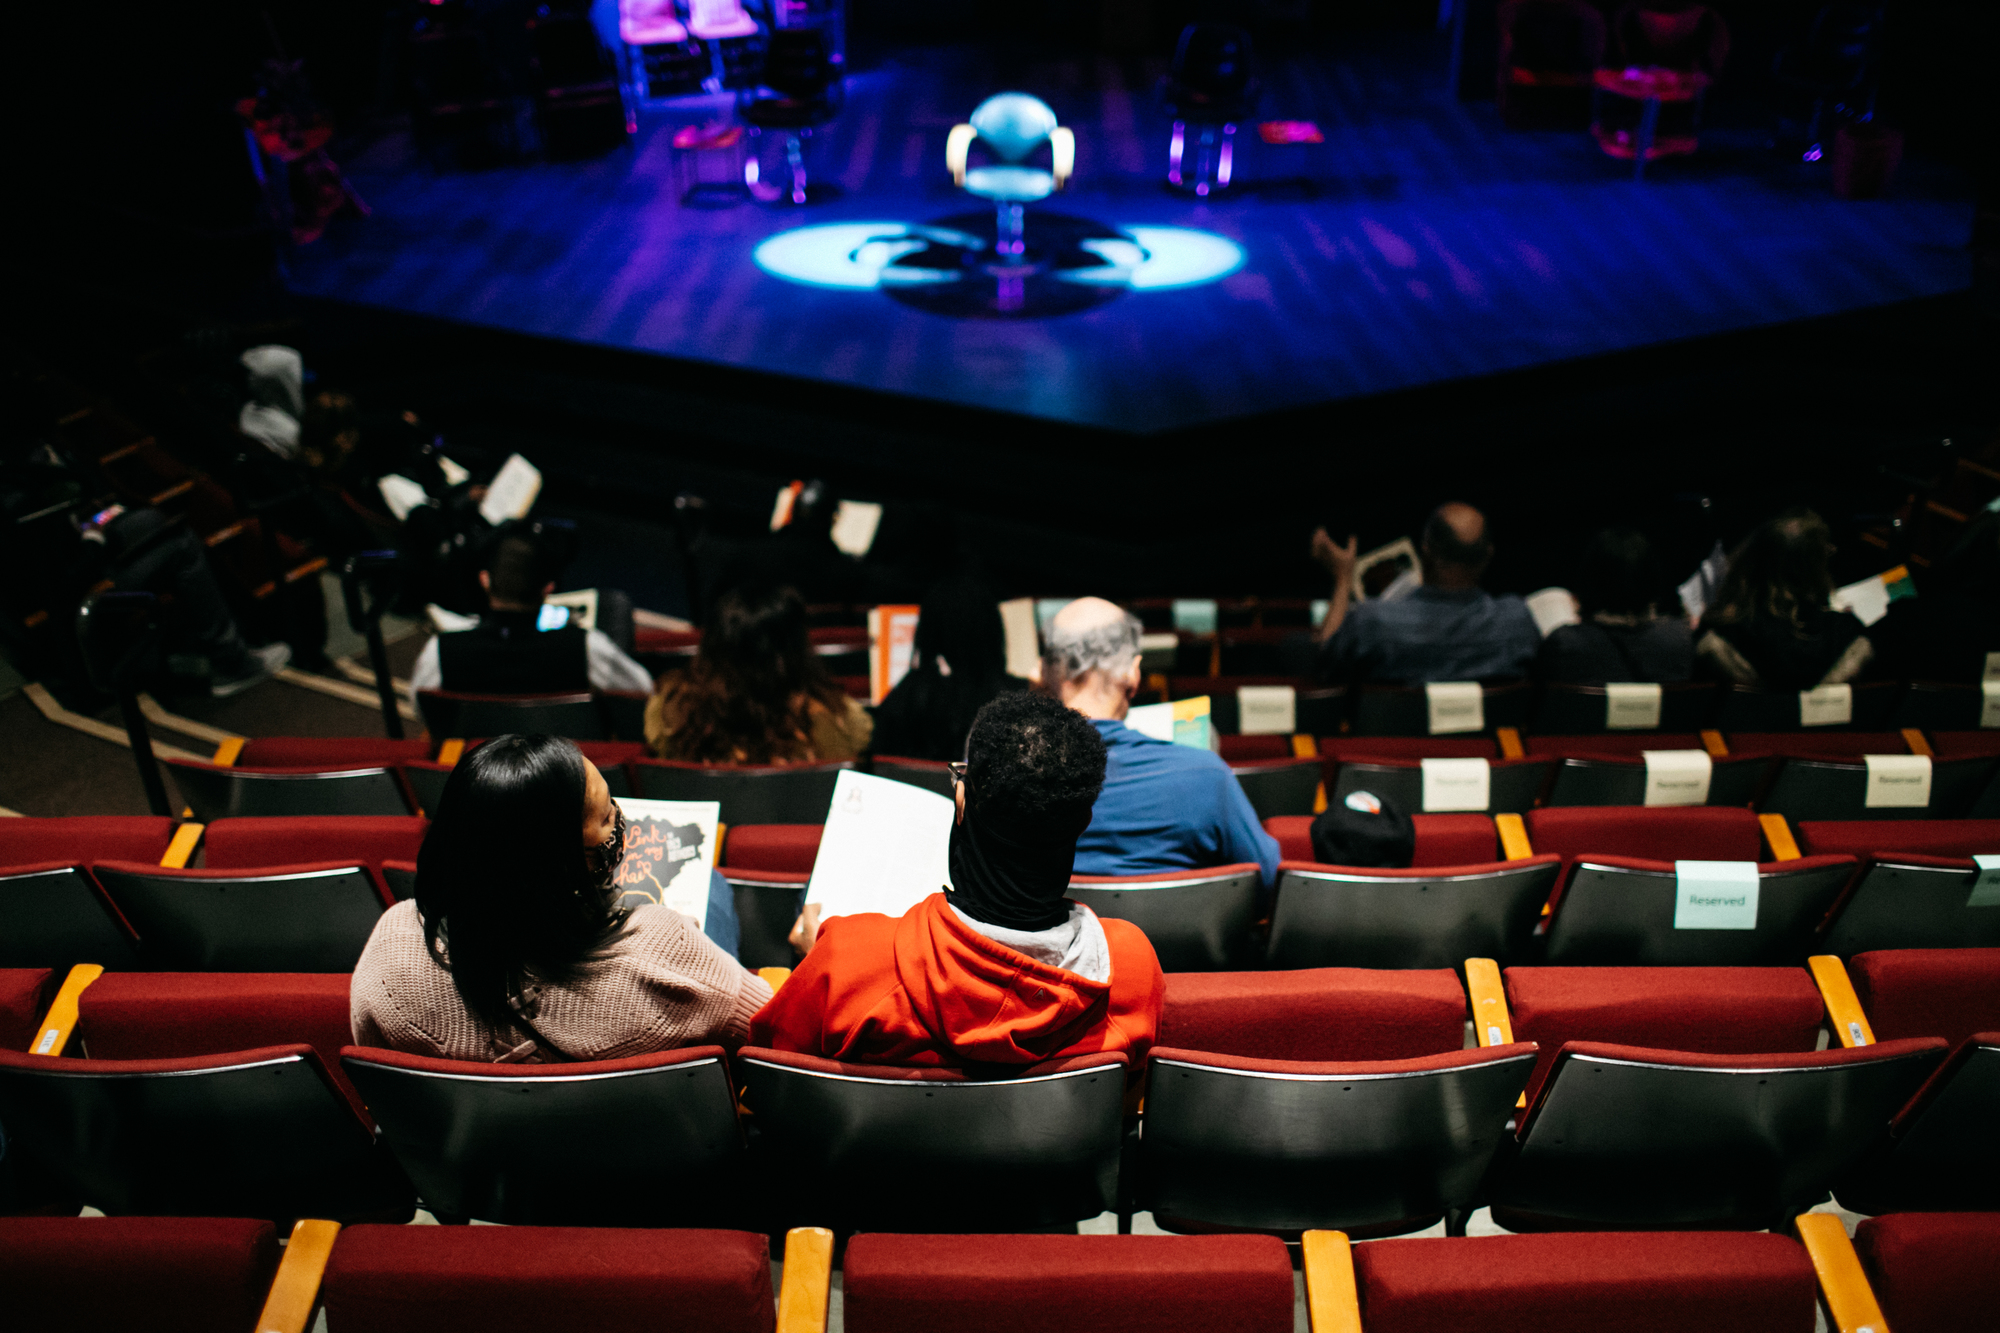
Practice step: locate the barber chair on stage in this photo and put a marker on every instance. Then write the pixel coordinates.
(1209, 88)
(800, 90)
(1664, 55)
(1012, 127)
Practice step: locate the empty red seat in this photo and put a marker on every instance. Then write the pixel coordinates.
(1965, 744)
(110, 1274)
(1428, 916)
(1717, 1010)
(330, 751)
(1841, 744)
(1949, 993)
(1931, 837)
(24, 993)
(1197, 920)
(1108, 1284)
(1662, 833)
(1622, 909)
(1243, 749)
(82, 838)
(165, 1015)
(1442, 840)
(1612, 742)
(503, 1279)
(1933, 1272)
(1660, 1282)
(1343, 749)
(783, 848)
(244, 844)
(1329, 1013)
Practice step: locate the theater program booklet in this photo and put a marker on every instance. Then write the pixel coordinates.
(886, 848)
(669, 851)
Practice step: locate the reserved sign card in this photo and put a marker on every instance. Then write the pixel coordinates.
(1632, 706)
(1985, 885)
(1715, 895)
(1267, 710)
(1455, 706)
(1456, 784)
(1826, 706)
(1677, 777)
(1897, 781)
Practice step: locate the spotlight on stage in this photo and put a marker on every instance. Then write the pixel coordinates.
(949, 267)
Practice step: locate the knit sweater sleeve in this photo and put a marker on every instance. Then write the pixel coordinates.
(666, 985)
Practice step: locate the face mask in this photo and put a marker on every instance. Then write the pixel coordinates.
(603, 859)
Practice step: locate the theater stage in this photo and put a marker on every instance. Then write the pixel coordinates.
(1421, 242)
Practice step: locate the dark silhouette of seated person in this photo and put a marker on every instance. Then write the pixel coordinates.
(1622, 636)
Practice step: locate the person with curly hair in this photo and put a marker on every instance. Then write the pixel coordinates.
(1000, 969)
(1773, 626)
(755, 694)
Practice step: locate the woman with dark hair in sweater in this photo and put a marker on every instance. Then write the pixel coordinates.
(515, 947)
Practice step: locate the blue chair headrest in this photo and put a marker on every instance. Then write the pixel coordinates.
(1013, 124)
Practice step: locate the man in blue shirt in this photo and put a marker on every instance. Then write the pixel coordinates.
(1163, 806)
(1447, 629)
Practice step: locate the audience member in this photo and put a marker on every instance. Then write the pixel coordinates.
(1447, 629)
(515, 949)
(508, 652)
(1773, 626)
(756, 693)
(1164, 806)
(1000, 969)
(1951, 628)
(960, 663)
(1622, 636)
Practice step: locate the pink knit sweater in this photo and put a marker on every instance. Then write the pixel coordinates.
(664, 985)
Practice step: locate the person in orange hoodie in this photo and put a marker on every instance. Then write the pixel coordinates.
(1000, 969)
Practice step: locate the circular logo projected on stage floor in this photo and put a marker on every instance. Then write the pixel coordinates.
(949, 267)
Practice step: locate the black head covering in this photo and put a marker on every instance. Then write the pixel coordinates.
(1009, 875)
(1354, 834)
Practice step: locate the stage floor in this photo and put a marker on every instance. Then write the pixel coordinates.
(1422, 241)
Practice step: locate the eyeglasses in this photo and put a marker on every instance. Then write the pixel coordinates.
(957, 768)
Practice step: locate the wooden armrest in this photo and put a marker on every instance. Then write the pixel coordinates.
(450, 753)
(295, 1290)
(1850, 1301)
(1062, 157)
(1490, 1019)
(808, 1280)
(1712, 742)
(721, 835)
(1304, 747)
(774, 977)
(1514, 844)
(1333, 1304)
(957, 148)
(60, 1021)
(186, 838)
(1918, 745)
(228, 752)
(1843, 1006)
(1779, 834)
(1510, 742)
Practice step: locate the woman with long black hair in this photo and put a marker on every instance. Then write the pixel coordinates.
(515, 948)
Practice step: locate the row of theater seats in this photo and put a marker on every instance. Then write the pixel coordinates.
(1915, 1273)
(1807, 775)
(1279, 1102)
(1586, 886)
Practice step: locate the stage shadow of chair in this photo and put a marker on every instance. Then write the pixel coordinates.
(1648, 102)
(1209, 87)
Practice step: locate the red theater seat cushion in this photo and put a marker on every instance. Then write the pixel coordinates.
(1818, 744)
(1925, 837)
(161, 1274)
(162, 1015)
(1363, 748)
(1965, 744)
(1612, 744)
(1933, 1272)
(1721, 1010)
(1326, 1013)
(242, 844)
(785, 848)
(1949, 993)
(24, 993)
(330, 752)
(1442, 840)
(1106, 1284)
(1692, 833)
(1587, 1282)
(84, 838)
(1244, 749)
(536, 1279)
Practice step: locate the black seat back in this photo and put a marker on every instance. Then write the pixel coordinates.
(227, 793)
(302, 921)
(1610, 781)
(1580, 710)
(1284, 788)
(1906, 905)
(1939, 1155)
(1940, 706)
(1350, 918)
(525, 1144)
(1512, 785)
(798, 62)
(871, 1149)
(796, 794)
(930, 774)
(1399, 710)
(1310, 1145)
(1831, 789)
(576, 716)
(1744, 708)
(260, 1133)
(1619, 915)
(58, 918)
(1197, 922)
(1624, 1138)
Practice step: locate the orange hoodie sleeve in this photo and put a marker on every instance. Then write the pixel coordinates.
(846, 973)
(1138, 990)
